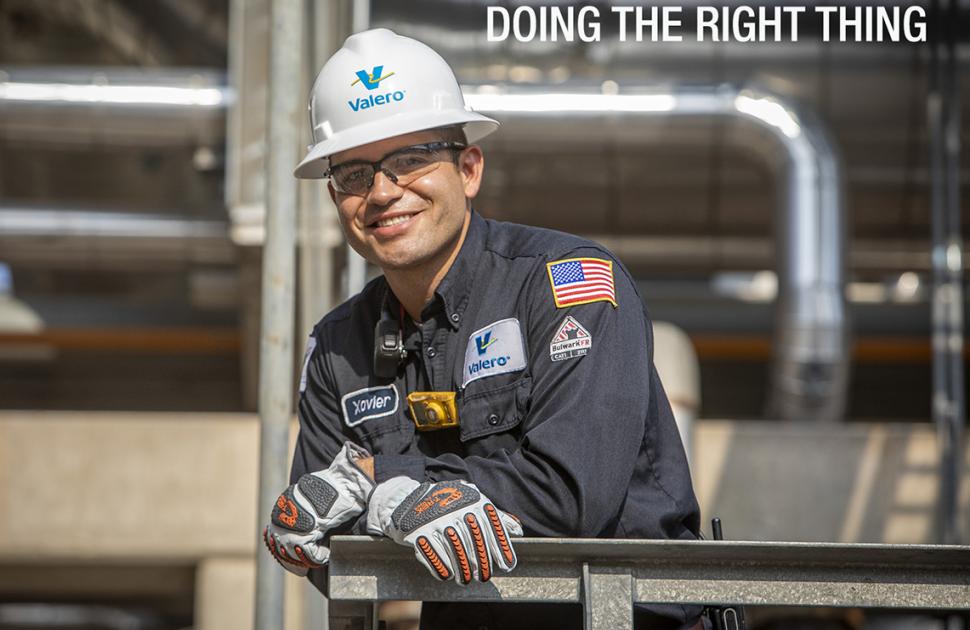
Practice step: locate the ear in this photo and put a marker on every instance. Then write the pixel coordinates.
(471, 166)
(333, 193)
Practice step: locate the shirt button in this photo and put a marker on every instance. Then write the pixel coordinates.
(455, 317)
(430, 351)
(493, 419)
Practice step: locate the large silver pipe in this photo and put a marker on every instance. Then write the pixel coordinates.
(124, 106)
(45, 236)
(278, 294)
(810, 372)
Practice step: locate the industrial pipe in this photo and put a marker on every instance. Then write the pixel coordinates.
(123, 107)
(810, 372)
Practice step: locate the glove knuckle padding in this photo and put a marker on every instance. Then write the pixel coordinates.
(460, 551)
(431, 557)
(500, 536)
(479, 548)
(429, 502)
(288, 514)
(318, 492)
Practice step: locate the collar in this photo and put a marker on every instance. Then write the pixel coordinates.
(454, 289)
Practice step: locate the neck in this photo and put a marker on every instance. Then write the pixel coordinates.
(416, 286)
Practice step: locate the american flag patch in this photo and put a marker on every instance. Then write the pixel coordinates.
(581, 281)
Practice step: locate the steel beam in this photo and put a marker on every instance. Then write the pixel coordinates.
(609, 576)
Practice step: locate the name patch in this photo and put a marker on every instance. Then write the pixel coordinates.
(496, 349)
(369, 403)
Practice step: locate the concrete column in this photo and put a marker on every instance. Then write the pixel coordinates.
(224, 590)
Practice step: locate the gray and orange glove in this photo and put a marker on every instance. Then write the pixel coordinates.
(456, 531)
(315, 504)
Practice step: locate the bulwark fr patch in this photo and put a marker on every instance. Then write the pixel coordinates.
(571, 340)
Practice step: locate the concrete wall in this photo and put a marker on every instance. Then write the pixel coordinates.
(152, 491)
(861, 482)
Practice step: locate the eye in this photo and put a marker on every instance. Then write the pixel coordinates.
(410, 160)
(352, 176)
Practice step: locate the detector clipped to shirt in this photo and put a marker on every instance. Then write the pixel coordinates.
(433, 410)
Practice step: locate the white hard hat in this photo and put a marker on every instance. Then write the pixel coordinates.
(381, 85)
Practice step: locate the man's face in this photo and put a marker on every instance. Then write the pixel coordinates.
(407, 227)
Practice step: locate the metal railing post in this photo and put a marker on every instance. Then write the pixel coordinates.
(607, 598)
(278, 305)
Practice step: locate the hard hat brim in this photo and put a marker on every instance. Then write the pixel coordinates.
(317, 160)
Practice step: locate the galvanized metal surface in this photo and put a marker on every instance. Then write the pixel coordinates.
(608, 593)
(597, 572)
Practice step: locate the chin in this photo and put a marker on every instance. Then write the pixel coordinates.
(402, 256)
(398, 263)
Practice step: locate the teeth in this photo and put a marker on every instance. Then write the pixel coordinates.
(394, 220)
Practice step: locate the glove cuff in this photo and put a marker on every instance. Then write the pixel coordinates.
(345, 467)
(384, 500)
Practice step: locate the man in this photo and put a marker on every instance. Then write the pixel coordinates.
(496, 380)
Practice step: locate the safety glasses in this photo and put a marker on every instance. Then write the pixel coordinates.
(402, 167)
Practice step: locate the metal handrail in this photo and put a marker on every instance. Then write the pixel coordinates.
(609, 576)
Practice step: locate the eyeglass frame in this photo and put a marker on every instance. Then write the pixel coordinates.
(376, 166)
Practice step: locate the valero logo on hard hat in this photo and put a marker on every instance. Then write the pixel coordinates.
(372, 81)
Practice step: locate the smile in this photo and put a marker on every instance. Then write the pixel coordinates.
(403, 218)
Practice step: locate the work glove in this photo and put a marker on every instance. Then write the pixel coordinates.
(316, 503)
(455, 530)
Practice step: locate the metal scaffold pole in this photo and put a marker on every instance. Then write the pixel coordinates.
(356, 276)
(947, 304)
(278, 304)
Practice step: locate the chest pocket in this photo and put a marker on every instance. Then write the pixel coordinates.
(491, 415)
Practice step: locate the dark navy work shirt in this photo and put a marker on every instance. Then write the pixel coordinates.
(563, 419)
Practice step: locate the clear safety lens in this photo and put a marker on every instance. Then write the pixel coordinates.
(402, 167)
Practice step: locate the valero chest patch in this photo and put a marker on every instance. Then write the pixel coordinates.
(369, 403)
(496, 349)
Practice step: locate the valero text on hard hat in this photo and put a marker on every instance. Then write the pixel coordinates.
(376, 100)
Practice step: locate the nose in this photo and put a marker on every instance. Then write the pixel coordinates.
(384, 190)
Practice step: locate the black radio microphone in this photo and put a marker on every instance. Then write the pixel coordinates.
(389, 349)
